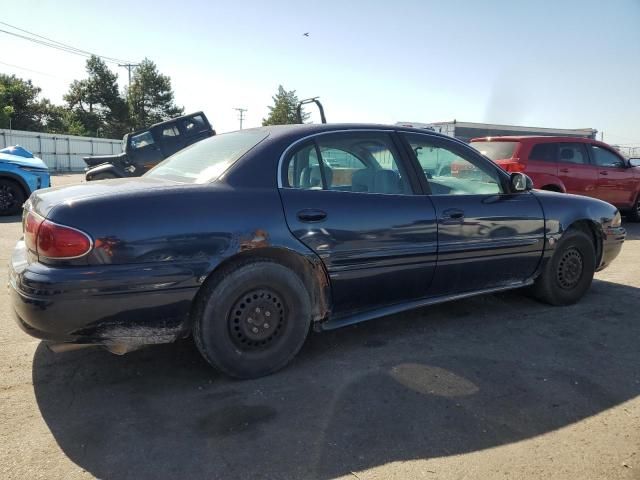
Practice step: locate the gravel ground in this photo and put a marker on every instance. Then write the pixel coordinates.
(491, 387)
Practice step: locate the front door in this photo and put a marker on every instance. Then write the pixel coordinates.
(487, 237)
(349, 198)
(616, 184)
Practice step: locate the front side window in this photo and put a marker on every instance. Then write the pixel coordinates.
(605, 158)
(449, 173)
(572, 153)
(142, 140)
(362, 162)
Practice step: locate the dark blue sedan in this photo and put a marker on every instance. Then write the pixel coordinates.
(248, 240)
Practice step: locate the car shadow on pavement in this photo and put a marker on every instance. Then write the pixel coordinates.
(440, 381)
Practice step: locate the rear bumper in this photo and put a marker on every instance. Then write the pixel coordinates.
(612, 241)
(108, 305)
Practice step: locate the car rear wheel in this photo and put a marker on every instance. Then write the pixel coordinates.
(11, 197)
(567, 275)
(634, 213)
(252, 320)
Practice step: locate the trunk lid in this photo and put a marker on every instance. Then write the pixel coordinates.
(42, 201)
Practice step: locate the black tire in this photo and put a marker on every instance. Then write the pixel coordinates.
(253, 319)
(634, 213)
(567, 275)
(11, 197)
(102, 176)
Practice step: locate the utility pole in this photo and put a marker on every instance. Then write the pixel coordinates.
(129, 67)
(241, 112)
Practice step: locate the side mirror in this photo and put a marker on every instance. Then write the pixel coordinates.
(634, 162)
(519, 182)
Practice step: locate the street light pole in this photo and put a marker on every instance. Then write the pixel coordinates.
(241, 112)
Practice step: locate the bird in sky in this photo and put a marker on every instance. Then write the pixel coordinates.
(306, 34)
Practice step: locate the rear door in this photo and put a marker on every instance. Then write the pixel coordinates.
(349, 197)
(170, 138)
(616, 183)
(194, 128)
(487, 237)
(575, 171)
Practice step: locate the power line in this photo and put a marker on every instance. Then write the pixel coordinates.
(48, 42)
(28, 69)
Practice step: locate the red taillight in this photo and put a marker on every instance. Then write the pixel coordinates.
(32, 223)
(51, 240)
(512, 166)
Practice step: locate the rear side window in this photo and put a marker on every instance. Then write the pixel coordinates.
(170, 131)
(496, 150)
(545, 152)
(193, 125)
(572, 153)
(362, 162)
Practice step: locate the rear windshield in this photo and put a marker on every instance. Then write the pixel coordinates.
(496, 150)
(208, 159)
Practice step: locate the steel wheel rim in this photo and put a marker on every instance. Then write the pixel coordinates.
(257, 320)
(570, 269)
(7, 197)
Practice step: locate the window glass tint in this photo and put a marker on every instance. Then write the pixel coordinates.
(496, 150)
(304, 169)
(363, 162)
(206, 160)
(572, 153)
(170, 132)
(449, 173)
(193, 125)
(605, 158)
(545, 152)
(141, 140)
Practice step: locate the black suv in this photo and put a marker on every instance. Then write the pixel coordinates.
(146, 148)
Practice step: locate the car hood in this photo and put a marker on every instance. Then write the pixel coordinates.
(34, 162)
(94, 160)
(42, 201)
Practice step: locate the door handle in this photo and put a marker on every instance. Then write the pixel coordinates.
(453, 214)
(604, 172)
(563, 170)
(311, 215)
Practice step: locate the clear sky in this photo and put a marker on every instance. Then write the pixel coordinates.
(553, 63)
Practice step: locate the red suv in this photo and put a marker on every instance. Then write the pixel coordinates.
(570, 165)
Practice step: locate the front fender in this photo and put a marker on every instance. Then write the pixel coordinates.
(562, 211)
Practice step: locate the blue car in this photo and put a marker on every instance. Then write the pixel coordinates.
(21, 174)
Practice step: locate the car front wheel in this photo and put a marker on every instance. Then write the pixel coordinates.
(11, 197)
(251, 321)
(567, 275)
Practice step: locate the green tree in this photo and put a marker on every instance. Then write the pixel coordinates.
(96, 102)
(150, 97)
(65, 121)
(19, 101)
(284, 109)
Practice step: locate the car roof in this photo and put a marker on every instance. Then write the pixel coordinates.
(537, 138)
(281, 132)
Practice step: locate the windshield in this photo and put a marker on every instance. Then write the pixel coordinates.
(496, 150)
(208, 159)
